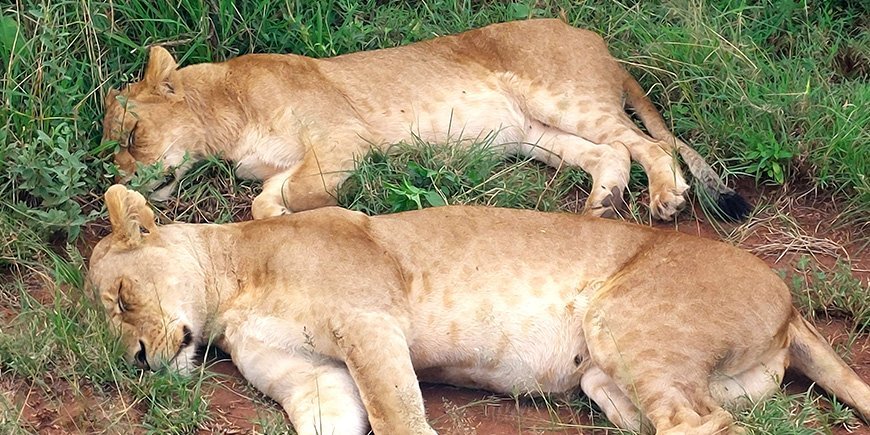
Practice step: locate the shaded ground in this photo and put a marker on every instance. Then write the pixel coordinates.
(787, 228)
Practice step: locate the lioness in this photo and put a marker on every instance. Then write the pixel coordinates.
(336, 315)
(540, 88)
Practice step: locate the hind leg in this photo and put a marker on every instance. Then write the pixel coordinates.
(672, 405)
(675, 402)
(618, 408)
(604, 121)
(665, 376)
(666, 183)
(717, 422)
(608, 166)
(738, 391)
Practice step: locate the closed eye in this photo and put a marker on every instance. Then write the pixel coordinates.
(131, 138)
(122, 307)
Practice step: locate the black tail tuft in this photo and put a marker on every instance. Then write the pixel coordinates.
(732, 207)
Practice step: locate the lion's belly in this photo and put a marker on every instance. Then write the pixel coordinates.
(468, 111)
(504, 340)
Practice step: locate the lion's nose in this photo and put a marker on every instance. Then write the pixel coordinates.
(141, 358)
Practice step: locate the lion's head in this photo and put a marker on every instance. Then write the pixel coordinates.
(152, 122)
(149, 284)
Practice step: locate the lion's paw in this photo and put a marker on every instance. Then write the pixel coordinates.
(611, 206)
(666, 205)
(265, 209)
(666, 201)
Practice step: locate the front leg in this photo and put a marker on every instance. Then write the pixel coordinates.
(307, 185)
(376, 352)
(271, 201)
(317, 393)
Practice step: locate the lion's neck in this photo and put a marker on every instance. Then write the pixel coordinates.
(217, 106)
(221, 285)
(234, 123)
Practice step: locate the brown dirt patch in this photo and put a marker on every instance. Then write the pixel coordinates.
(68, 410)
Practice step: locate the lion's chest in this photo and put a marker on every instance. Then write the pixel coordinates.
(263, 151)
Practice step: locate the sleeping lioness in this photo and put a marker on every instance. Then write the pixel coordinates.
(539, 88)
(337, 315)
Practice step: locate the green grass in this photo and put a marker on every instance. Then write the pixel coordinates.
(60, 346)
(796, 414)
(412, 176)
(776, 90)
(832, 293)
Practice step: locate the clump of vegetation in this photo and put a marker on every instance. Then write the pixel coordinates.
(414, 176)
(834, 293)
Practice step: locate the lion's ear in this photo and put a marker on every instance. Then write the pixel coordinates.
(130, 215)
(160, 71)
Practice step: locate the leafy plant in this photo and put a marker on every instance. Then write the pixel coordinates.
(768, 160)
(50, 174)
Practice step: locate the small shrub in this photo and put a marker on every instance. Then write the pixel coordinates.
(834, 293)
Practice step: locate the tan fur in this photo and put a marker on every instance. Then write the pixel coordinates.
(541, 88)
(337, 315)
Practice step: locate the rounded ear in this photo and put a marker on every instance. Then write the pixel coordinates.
(159, 73)
(129, 214)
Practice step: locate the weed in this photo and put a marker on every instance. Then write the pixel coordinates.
(768, 160)
(834, 293)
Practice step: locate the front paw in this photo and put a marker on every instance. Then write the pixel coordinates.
(264, 209)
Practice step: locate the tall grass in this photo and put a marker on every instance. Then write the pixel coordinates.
(775, 89)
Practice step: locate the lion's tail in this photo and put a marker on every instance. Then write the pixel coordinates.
(731, 205)
(811, 354)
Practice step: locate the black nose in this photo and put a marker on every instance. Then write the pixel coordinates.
(141, 357)
(188, 337)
